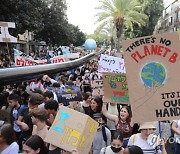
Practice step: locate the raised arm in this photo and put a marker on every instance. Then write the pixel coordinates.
(108, 115)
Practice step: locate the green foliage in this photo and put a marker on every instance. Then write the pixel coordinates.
(100, 39)
(153, 9)
(123, 13)
(26, 14)
(109, 33)
(45, 18)
(54, 30)
(76, 37)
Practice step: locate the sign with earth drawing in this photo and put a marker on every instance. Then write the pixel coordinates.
(115, 88)
(153, 76)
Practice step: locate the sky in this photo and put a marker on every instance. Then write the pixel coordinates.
(167, 2)
(81, 13)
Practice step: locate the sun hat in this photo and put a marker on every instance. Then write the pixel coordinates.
(147, 125)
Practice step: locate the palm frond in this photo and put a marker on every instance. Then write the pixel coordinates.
(126, 12)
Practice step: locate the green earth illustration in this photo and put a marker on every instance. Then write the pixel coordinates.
(153, 74)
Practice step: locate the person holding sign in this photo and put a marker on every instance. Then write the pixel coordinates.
(148, 142)
(35, 145)
(122, 121)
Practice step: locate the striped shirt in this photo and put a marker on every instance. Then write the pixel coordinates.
(138, 141)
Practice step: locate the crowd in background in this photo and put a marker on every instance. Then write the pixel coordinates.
(29, 108)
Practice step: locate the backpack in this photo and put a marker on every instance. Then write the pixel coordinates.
(104, 134)
(134, 138)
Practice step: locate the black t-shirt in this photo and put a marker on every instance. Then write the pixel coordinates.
(24, 98)
(27, 120)
(87, 110)
(74, 77)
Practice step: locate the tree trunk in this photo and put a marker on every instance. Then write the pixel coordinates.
(112, 41)
(119, 33)
(119, 30)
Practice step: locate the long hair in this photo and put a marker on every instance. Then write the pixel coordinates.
(129, 112)
(7, 133)
(99, 102)
(117, 136)
(35, 142)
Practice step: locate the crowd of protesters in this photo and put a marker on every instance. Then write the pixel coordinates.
(28, 110)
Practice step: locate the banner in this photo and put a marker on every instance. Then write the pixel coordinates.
(72, 129)
(111, 64)
(71, 56)
(29, 61)
(153, 75)
(97, 88)
(71, 93)
(115, 88)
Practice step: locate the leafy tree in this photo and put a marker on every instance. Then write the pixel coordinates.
(56, 29)
(45, 18)
(108, 31)
(122, 13)
(54, 23)
(153, 9)
(26, 14)
(75, 36)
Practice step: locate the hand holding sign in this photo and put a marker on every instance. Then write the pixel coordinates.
(151, 65)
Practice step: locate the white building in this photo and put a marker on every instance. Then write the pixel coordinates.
(170, 19)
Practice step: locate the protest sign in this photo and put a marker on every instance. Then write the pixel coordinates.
(72, 55)
(111, 64)
(4, 34)
(97, 88)
(29, 61)
(115, 88)
(72, 129)
(71, 93)
(152, 65)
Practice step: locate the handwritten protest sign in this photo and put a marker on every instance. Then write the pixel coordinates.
(111, 64)
(71, 93)
(152, 65)
(97, 88)
(72, 129)
(115, 88)
(4, 34)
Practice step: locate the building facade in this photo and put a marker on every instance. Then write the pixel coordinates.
(170, 19)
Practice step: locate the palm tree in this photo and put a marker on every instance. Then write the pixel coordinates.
(108, 30)
(121, 13)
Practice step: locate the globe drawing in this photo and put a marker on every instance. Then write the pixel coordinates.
(153, 74)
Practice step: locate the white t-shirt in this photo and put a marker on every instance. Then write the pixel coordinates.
(138, 141)
(107, 150)
(38, 85)
(112, 110)
(15, 118)
(13, 148)
(176, 136)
